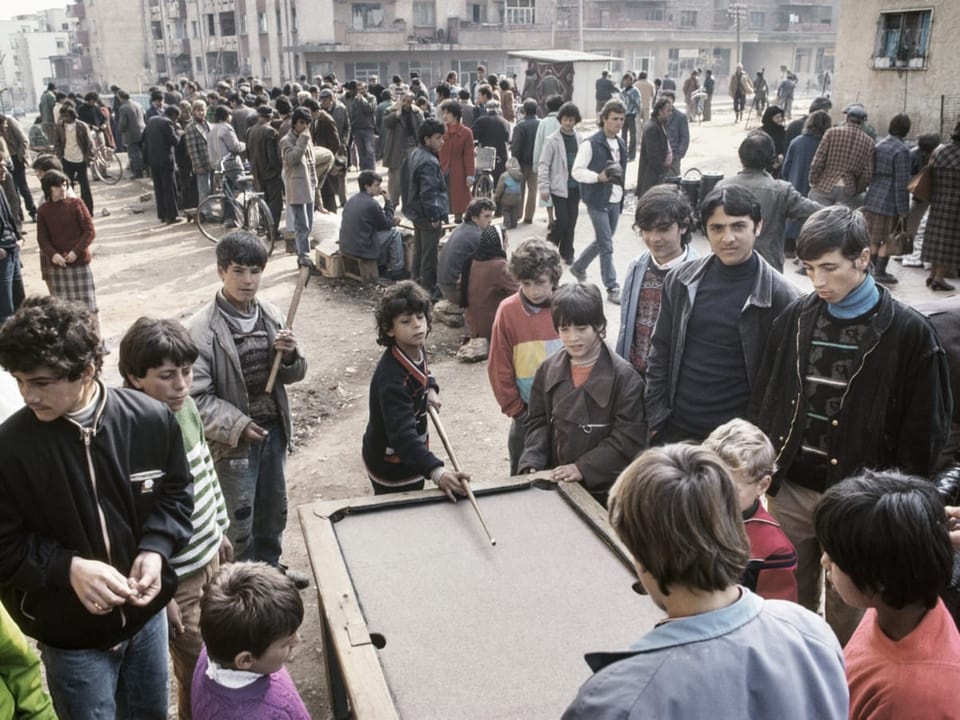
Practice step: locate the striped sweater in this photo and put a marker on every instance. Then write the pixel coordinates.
(209, 509)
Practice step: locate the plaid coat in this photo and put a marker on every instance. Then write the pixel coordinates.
(941, 241)
(845, 153)
(196, 139)
(887, 194)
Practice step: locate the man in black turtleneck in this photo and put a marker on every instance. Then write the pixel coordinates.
(714, 320)
(850, 379)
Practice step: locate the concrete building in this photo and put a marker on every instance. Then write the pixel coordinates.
(31, 51)
(278, 40)
(895, 56)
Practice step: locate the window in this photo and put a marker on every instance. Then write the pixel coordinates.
(424, 14)
(211, 25)
(194, 29)
(243, 24)
(477, 13)
(262, 22)
(363, 71)
(264, 67)
(653, 15)
(60, 45)
(199, 63)
(756, 20)
(688, 18)
(367, 16)
(520, 12)
(156, 30)
(902, 40)
(228, 24)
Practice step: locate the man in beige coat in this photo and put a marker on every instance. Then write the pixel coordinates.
(299, 180)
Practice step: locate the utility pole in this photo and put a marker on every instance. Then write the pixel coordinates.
(737, 10)
(581, 25)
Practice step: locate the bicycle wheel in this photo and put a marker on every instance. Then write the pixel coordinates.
(483, 186)
(259, 220)
(107, 166)
(211, 215)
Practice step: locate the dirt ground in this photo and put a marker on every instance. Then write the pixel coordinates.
(145, 268)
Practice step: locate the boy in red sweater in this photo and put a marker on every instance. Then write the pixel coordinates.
(748, 453)
(886, 547)
(523, 335)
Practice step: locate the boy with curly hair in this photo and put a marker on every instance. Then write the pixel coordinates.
(395, 445)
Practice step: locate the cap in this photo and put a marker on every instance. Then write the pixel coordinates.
(856, 111)
(326, 92)
(265, 111)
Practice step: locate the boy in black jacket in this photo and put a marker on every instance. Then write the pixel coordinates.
(395, 444)
(97, 496)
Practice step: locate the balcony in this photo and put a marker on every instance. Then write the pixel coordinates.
(159, 47)
(76, 10)
(226, 43)
(374, 39)
(155, 14)
(85, 64)
(173, 10)
(82, 37)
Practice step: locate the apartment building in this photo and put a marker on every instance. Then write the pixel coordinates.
(282, 39)
(895, 56)
(34, 51)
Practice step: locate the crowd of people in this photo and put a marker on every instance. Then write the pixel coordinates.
(748, 442)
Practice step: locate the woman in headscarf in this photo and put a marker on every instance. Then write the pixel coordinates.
(485, 281)
(772, 125)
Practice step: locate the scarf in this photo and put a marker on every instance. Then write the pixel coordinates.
(490, 247)
(857, 302)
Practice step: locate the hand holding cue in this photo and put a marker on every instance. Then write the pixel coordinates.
(456, 466)
(302, 279)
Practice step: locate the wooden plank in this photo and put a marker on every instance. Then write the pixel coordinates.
(366, 271)
(362, 674)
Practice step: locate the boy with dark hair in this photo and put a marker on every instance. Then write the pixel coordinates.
(248, 429)
(715, 315)
(425, 201)
(850, 378)
(97, 497)
(586, 405)
(157, 357)
(664, 219)
(748, 454)
(249, 617)
(523, 335)
(599, 168)
(368, 230)
(396, 451)
(676, 510)
(461, 244)
(886, 547)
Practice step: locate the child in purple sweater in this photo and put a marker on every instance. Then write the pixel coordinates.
(249, 618)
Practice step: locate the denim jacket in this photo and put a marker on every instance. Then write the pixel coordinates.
(771, 293)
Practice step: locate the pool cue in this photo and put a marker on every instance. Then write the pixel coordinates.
(456, 466)
(302, 279)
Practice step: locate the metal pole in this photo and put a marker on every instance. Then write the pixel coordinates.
(739, 58)
(581, 25)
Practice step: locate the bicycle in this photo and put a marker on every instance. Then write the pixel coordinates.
(230, 208)
(106, 163)
(483, 186)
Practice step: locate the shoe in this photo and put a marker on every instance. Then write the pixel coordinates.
(300, 580)
(613, 296)
(939, 285)
(885, 278)
(396, 275)
(528, 222)
(909, 261)
(580, 275)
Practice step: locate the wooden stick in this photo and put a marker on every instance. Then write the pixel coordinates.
(456, 466)
(302, 278)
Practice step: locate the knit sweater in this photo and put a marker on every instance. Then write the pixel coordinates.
(209, 517)
(272, 697)
(521, 339)
(64, 226)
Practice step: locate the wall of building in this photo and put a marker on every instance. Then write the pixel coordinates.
(885, 92)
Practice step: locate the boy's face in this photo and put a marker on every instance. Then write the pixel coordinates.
(834, 276)
(664, 243)
(539, 290)
(579, 340)
(749, 488)
(731, 237)
(240, 283)
(484, 219)
(568, 122)
(276, 655)
(434, 143)
(169, 383)
(50, 396)
(409, 332)
(844, 586)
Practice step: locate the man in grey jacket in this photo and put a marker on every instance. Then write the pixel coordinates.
(299, 180)
(779, 200)
(248, 429)
(715, 316)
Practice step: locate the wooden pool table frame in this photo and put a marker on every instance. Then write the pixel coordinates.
(353, 669)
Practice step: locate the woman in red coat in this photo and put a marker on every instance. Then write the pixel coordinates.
(457, 158)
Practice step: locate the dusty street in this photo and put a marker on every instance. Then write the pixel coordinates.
(145, 268)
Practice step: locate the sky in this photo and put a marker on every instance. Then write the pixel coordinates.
(10, 8)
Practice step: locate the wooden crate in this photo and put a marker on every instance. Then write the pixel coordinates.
(329, 260)
(365, 271)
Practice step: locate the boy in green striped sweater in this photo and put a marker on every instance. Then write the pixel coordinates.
(157, 356)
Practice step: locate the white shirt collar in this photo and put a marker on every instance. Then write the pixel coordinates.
(228, 678)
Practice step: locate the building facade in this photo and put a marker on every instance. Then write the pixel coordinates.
(279, 40)
(32, 48)
(902, 64)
